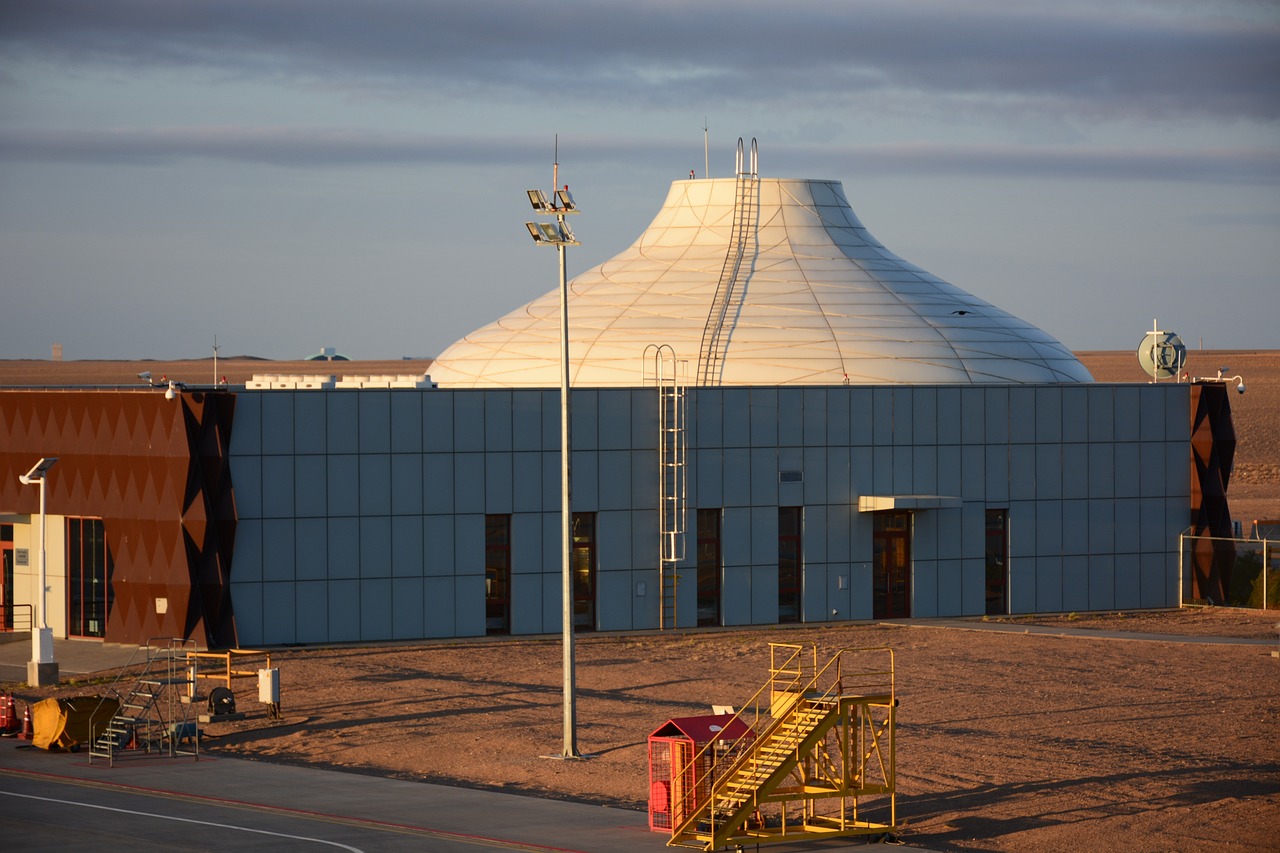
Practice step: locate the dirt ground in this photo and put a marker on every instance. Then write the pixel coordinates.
(1007, 740)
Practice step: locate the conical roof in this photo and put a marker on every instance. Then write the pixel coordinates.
(760, 282)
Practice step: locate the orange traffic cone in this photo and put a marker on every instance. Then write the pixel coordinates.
(27, 734)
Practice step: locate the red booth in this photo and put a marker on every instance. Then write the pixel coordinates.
(677, 784)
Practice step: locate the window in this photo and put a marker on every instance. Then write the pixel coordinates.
(88, 578)
(708, 567)
(6, 577)
(997, 561)
(790, 562)
(583, 565)
(497, 574)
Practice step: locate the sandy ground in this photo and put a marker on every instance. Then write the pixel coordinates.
(1007, 740)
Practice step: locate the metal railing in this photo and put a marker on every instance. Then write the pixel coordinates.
(1247, 571)
(11, 617)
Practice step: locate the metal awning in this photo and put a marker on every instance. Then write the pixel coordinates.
(880, 503)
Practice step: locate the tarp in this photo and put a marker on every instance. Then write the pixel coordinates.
(64, 723)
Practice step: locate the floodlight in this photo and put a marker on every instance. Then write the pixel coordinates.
(37, 472)
(566, 202)
(538, 199)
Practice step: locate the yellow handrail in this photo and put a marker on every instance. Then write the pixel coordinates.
(226, 656)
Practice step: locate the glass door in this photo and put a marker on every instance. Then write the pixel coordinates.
(891, 567)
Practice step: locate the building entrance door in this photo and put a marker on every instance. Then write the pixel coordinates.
(891, 567)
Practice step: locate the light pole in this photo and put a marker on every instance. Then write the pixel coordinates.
(42, 669)
(559, 235)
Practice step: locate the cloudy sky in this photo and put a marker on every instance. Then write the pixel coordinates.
(291, 174)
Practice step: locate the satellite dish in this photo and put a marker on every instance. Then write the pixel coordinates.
(1162, 354)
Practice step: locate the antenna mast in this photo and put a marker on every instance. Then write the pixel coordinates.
(706, 149)
(555, 167)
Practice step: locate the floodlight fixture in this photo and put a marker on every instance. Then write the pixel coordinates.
(551, 234)
(565, 202)
(538, 199)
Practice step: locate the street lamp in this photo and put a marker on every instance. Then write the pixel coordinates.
(42, 670)
(559, 235)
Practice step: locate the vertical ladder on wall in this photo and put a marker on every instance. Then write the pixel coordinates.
(729, 290)
(664, 370)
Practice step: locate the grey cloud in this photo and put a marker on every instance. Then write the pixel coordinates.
(978, 55)
(338, 147)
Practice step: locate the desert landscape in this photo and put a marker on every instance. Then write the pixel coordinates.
(1047, 733)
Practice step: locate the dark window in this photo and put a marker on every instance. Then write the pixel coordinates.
(708, 567)
(6, 577)
(997, 561)
(88, 578)
(583, 565)
(497, 574)
(790, 562)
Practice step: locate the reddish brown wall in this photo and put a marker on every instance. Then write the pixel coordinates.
(156, 472)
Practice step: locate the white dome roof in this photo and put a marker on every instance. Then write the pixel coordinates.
(814, 300)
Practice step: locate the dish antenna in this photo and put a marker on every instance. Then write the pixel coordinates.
(1161, 354)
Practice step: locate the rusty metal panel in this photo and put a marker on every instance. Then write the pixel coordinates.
(156, 472)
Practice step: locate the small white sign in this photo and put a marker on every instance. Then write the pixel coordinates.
(162, 606)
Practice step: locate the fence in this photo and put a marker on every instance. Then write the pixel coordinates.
(1232, 572)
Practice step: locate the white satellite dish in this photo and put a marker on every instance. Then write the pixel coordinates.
(1161, 354)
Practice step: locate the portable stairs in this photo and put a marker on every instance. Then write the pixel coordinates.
(729, 290)
(154, 712)
(819, 761)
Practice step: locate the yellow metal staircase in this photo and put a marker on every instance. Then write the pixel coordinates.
(820, 740)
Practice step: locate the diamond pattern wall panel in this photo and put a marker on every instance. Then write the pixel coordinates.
(156, 472)
(1213, 449)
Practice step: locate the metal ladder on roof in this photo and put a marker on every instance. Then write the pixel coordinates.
(153, 712)
(666, 372)
(729, 290)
